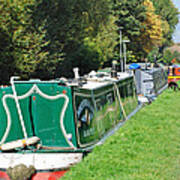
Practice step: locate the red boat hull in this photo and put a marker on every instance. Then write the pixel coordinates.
(48, 175)
(4, 176)
(38, 176)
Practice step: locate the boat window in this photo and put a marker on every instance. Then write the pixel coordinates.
(98, 104)
(173, 71)
(122, 91)
(109, 98)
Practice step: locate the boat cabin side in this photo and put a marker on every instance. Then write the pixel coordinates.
(150, 82)
(63, 116)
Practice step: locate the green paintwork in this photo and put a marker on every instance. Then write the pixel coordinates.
(41, 116)
(15, 130)
(90, 114)
(99, 110)
(160, 80)
(127, 91)
(46, 116)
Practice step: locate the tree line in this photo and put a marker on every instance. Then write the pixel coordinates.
(46, 38)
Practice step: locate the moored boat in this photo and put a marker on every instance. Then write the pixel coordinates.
(49, 125)
(150, 82)
(174, 76)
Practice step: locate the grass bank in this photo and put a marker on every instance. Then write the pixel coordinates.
(147, 147)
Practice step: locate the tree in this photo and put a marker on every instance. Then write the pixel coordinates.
(151, 31)
(168, 56)
(154, 56)
(27, 43)
(145, 24)
(105, 41)
(76, 24)
(6, 56)
(130, 16)
(169, 16)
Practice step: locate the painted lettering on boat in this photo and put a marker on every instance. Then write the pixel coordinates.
(88, 132)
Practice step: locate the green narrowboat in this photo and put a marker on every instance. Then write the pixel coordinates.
(50, 124)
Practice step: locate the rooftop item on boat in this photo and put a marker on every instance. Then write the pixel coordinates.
(134, 66)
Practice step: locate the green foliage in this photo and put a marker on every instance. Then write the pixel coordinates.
(168, 56)
(6, 57)
(154, 56)
(83, 56)
(131, 58)
(130, 15)
(47, 38)
(145, 25)
(105, 41)
(78, 27)
(146, 147)
(41, 38)
(27, 44)
(169, 15)
(151, 33)
(6, 47)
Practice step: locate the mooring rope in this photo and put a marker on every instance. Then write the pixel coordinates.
(120, 101)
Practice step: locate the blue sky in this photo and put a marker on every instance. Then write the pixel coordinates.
(176, 36)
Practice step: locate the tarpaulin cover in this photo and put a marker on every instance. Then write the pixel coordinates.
(134, 66)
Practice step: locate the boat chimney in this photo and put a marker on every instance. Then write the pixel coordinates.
(76, 73)
(114, 69)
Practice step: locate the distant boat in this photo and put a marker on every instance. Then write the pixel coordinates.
(174, 76)
(150, 82)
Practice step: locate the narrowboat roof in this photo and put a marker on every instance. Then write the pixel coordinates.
(98, 82)
(91, 82)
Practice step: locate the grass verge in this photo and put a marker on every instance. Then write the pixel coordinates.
(147, 147)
